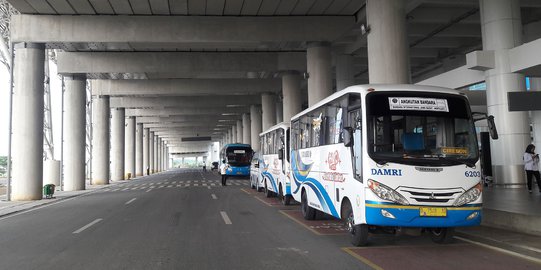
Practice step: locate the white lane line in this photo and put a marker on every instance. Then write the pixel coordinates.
(214, 197)
(533, 259)
(226, 218)
(208, 187)
(149, 190)
(130, 201)
(87, 226)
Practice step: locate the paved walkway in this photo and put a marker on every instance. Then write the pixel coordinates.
(516, 200)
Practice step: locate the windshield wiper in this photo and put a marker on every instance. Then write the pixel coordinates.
(469, 164)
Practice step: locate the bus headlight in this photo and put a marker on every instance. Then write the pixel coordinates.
(469, 196)
(386, 192)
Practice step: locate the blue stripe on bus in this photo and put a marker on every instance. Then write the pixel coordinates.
(271, 178)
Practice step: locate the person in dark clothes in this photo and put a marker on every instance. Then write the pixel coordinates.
(223, 172)
(531, 165)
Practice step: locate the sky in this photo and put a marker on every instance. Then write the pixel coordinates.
(56, 106)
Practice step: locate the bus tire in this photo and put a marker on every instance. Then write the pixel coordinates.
(358, 233)
(308, 212)
(268, 193)
(442, 235)
(286, 199)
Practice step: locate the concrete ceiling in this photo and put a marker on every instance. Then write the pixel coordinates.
(268, 36)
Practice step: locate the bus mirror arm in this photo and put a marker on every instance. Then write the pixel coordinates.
(347, 134)
(477, 116)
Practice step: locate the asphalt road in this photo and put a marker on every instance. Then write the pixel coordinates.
(181, 219)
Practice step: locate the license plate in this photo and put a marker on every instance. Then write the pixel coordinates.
(432, 212)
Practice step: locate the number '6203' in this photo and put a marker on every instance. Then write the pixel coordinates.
(472, 174)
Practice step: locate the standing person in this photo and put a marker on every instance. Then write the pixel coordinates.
(223, 172)
(531, 165)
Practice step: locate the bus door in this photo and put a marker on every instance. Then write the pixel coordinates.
(355, 121)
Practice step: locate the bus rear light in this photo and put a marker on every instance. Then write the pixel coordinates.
(386, 193)
(469, 196)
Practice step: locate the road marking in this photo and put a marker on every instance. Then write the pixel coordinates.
(362, 259)
(529, 258)
(214, 196)
(226, 218)
(130, 201)
(208, 187)
(87, 226)
(149, 189)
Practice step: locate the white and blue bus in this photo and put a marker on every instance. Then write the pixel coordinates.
(389, 158)
(238, 157)
(274, 162)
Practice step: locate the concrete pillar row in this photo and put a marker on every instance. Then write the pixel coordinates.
(255, 120)
(129, 168)
(27, 119)
(158, 154)
(268, 110)
(501, 30)
(239, 131)
(139, 150)
(146, 153)
(118, 116)
(291, 90)
(318, 60)
(246, 129)
(388, 51)
(151, 152)
(345, 71)
(100, 140)
(74, 133)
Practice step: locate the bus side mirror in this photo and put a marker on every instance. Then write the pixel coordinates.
(281, 153)
(347, 135)
(492, 127)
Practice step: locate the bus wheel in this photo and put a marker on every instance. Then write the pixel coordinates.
(268, 193)
(286, 199)
(308, 212)
(358, 233)
(442, 235)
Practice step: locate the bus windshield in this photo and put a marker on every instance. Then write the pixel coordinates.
(238, 155)
(419, 128)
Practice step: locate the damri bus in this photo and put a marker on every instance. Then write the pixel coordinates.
(238, 157)
(389, 158)
(274, 162)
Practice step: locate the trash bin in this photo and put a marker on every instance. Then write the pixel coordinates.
(48, 191)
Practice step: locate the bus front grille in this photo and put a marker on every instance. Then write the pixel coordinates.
(430, 196)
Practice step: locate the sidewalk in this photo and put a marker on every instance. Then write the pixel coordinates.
(11, 207)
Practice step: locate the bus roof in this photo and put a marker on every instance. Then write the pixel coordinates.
(363, 89)
(284, 125)
(237, 145)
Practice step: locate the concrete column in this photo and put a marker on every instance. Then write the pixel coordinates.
(151, 152)
(239, 131)
(255, 119)
(155, 163)
(291, 90)
(118, 116)
(139, 150)
(100, 140)
(233, 134)
(129, 168)
(74, 133)
(318, 57)
(146, 152)
(246, 138)
(345, 71)
(27, 119)
(388, 58)
(535, 85)
(279, 112)
(159, 158)
(501, 30)
(268, 111)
